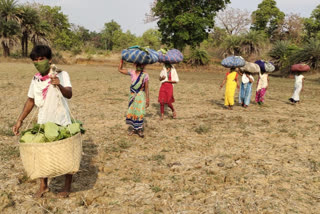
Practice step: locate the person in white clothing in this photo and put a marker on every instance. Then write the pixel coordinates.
(44, 93)
(298, 88)
(245, 89)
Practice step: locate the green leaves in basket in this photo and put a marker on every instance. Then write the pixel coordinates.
(74, 128)
(35, 138)
(51, 131)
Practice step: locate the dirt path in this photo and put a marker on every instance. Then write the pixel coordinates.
(264, 159)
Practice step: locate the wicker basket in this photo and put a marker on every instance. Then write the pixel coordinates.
(42, 160)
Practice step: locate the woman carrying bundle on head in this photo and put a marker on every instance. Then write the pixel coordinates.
(245, 89)
(262, 86)
(138, 98)
(297, 69)
(231, 81)
(168, 77)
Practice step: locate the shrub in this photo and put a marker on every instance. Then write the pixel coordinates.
(309, 54)
(281, 52)
(198, 57)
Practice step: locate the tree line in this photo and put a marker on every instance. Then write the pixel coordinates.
(201, 29)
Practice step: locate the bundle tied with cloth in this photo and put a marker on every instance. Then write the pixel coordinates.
(251, 67)
(49, 149)
(172, 56)
(233, 62)
(265, 66)
(301, 67)
(140, 55)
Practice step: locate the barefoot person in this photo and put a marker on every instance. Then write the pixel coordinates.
(231, 81)
(168, 77)
(138, 98)
(43, 95)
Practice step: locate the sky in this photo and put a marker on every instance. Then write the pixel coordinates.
(130, 14)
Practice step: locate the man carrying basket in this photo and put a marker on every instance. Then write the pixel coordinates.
(52, 108)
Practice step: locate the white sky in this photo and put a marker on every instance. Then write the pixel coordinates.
(130, 14)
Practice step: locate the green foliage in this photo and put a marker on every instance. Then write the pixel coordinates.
(151, 38)
(232, 44)
(50, 132)
(253, 42)
(281, 53)
(267, 17)
(124, 40)
(109, 33)
(186, 22)
(218, 36)
(9, 25)
(309, 54)
(312, 24)
(198, 57)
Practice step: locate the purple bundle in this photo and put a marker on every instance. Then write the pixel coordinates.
(172, 56)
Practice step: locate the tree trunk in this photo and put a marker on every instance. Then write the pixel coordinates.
(6, 50)
(22, 46)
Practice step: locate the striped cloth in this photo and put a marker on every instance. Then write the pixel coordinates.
(140, 55)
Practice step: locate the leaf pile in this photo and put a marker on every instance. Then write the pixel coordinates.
(49, 132)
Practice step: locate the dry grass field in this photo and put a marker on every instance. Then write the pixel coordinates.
(263, 159)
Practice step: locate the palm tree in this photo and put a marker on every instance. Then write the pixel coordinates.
(232, 45)
(9, 23)
(29, 19)
(253, 42)
(40, 33)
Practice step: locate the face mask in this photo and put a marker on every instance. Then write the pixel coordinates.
(42, 66)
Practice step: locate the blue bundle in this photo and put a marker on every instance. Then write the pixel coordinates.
(233, 62)
(265, 66)
(140, 55)
(172, 56)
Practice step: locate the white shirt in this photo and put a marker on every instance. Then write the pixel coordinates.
(174, 75)
(53, 107)
(263, 81)
(245, 79)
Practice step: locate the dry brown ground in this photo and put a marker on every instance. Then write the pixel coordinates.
(209, 160)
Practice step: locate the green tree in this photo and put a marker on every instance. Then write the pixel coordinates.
(9, 25)
(312, 24)
(185, 22)
(281, 53)
(61, 35)
(232, 44)
(108, 33)
(124, 40)
(309, 53)
(253, 42)
(151, 38)
(267, 17)
(29, 20)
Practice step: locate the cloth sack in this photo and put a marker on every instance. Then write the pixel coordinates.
(265, 66)
(140, 55)
(172, 56)
(300, 68)
(233, 62)
(251, 68)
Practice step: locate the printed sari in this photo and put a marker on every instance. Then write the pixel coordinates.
(137, 103)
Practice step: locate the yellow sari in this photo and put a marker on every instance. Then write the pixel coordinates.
(231, 86)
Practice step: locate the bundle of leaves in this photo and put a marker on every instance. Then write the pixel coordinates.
(49, 132)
